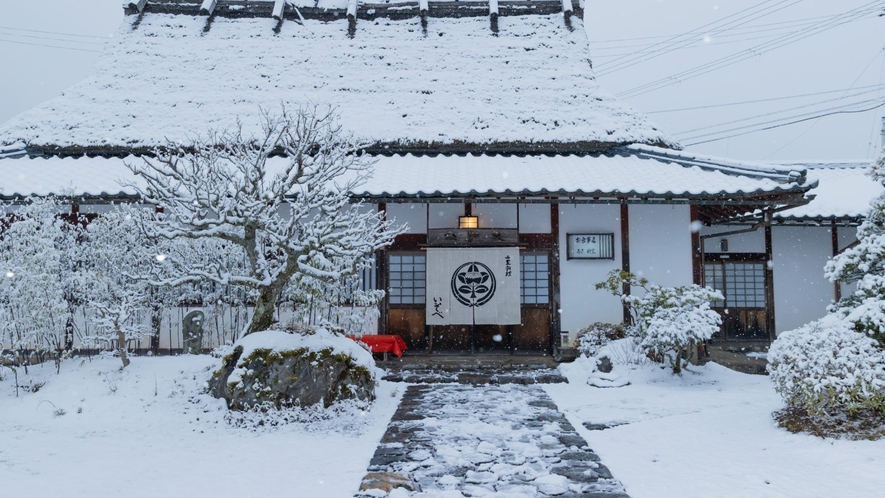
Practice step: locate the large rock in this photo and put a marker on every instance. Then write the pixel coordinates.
(292, 372)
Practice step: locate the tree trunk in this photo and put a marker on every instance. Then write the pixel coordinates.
(264, 308)
(121, 347)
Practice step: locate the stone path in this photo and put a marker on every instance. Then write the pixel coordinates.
(485, 441)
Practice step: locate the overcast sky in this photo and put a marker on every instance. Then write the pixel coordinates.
(788, 50)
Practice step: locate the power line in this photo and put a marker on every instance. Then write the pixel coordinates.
(736, 29)
(770, 99)
(834, 21)
(675, 43)
(781, 111)
(51, 38)
(50, 46)
(739, 33)
(788, 124)
(816, 121)
(53, 32)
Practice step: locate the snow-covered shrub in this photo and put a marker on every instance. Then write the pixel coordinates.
(669, 322)
(596, 335)
(865, 264)
(826, 366)
(39, 286)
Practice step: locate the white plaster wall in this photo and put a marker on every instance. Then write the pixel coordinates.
(445, 215)
(413, 215)
(745, 242)
(660, 244)
(581, 303)
(96, 208)
(801, 293)
(534, 218)
(495, 215)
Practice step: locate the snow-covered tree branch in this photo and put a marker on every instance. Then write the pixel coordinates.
(288, 215)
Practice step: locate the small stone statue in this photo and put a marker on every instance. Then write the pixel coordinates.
(192, 332)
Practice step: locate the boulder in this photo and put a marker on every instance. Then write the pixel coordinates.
(294, 373)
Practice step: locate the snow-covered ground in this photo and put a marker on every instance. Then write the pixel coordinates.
(710, 434)
(147, 432)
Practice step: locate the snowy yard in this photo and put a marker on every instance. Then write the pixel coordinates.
(710, 434)
(148, 432)
(148, 440)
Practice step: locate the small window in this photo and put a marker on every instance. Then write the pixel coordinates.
(742, 284)
(407, 278)
(534, 279)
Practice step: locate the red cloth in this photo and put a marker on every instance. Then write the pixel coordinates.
(384, 343)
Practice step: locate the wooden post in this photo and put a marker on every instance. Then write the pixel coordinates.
(697, 268)
(625, 251)
(555, 298)
(208, 7)
(279, 8)
(834, 232)
(137, 5)
(382, 277)
(769, 281)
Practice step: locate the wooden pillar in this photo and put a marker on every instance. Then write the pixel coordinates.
(697, 264)
(625, 251)
(837, 286)
(382, 278)
(769, 283)
(555, 298)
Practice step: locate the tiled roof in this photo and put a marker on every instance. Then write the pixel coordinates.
(621, 175)
(845, 191)
(392, 82)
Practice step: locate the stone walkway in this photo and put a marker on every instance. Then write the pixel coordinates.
(485, 441)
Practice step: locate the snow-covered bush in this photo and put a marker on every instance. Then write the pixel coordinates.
(864, 264)
(826, 366)
(597, 335)
(115, 272)
(669, 322)
(39, 286)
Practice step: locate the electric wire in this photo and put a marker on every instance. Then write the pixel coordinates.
(681, 40)
(53, 32)
(781, 111)
(835, 21)
(788, 124)
(769, 99)
(2, 40)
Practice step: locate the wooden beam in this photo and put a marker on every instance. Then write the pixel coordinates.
(423, 8)
(834, 233)
(769, 284)
(279, 8)
(555, 299)
(567, 6)
(208, 7)
(137, 5)
(382, 280)
(696, 256)
(625, 252)
(493, 15)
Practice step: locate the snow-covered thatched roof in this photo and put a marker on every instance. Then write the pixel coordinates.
(843, 195)
(456, 86)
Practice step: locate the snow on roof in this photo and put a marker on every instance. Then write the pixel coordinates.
(459, 83)
(411, 176)
(845, 191)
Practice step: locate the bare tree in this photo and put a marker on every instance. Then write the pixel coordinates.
(287, 215)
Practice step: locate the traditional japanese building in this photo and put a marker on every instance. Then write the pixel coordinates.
(522, 182)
